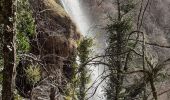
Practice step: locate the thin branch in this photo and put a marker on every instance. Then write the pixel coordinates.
(164, 92)
(153, 44)
(97, 87)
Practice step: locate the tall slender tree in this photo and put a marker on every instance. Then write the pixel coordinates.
(117, 33)
(9, 50)
(83, 53)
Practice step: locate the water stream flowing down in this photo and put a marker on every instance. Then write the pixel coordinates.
(74, 9)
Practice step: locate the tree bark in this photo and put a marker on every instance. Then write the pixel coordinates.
(154, 92)
(9, 51)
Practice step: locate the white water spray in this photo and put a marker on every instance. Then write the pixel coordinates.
(74, 9)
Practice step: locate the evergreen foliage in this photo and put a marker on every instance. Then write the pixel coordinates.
(117, 32)
(83, 54)
(79, 78)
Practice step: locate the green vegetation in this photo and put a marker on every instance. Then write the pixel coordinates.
(131, 72)
(33, 74)
(117, 34)
(80, 75)
(25, 26)
(83, 54)
(25, 31)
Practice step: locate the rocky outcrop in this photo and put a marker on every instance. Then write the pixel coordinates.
(54, 44)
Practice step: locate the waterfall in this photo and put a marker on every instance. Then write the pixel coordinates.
(74, 9)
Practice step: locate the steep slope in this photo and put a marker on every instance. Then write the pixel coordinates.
(54, 44)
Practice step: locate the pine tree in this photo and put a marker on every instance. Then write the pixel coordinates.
(117, 33)
(83, 53)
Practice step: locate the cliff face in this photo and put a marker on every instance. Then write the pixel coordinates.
(54, 44)
(156, 26)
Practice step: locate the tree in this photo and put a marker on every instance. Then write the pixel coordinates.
(1, 48)
(9, 50)
(26, 69)
(117, 33)
(121, 51)
(83, 54)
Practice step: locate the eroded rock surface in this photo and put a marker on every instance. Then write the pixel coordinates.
(55, 43)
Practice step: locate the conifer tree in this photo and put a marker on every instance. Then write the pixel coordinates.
(117, 33)
(83, 54)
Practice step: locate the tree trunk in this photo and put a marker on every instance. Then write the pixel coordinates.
(154, 92)
(119, 50)
(9, 51)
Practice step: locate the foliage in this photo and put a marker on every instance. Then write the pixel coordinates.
(33, 73)
(117, 38)
(123, 26)
(67, 98)
(83, 54)
(84, 49)
(71, 93)
(25, 26)
(25, 32)
(17, 97)
(128, 6)
(80, 75)
(125, 50)
(117, 28)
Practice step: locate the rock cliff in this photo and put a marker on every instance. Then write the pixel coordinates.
(54, 44)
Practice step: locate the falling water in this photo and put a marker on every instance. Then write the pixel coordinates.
(74, 9)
